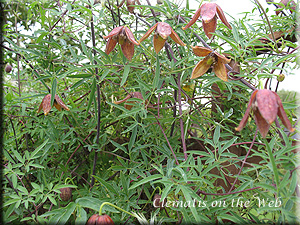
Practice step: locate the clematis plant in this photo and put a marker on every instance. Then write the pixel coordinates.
(266, 105)
(162, 32)
(212, 58)
(46, 104)
(124, 37)
(208, 12)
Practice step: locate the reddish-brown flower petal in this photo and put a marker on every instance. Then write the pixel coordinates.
(147, 34)
(262, 125)
(222, 17)
(158, 42)
(104, 220)
(130, 36)
(201, 51)
(56, 105)
(210, 27)
(61, 103)
(220, 70)
(47, 104)
(267, 105)
(176, 38)
(130, 8)
(163, 29)
(128, 49)
(222, 58)
(110, 45)
(40, 107)
(193, 20)
(282, 115)
(247, 113)
(114, 32)
(93, 219)
(202, 66)
(208, 12)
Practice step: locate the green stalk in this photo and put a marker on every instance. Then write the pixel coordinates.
(108, 203)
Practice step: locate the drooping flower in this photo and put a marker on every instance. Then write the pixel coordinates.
(97, 219)
(208, 12)
(212, 58)
(266, 105)
(124, 37)
(46, 104)
(162, 32)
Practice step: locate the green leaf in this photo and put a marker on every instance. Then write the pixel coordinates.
(107, 185)
(52, 200)
(145, 180)
(132, 138)
(92, 96)
(42, 35)
(18, 156)
(272, 160)
(94, 203)
(32, 156)
(216, 135)
(81, 216)
(188, 198)
(235, 34)
(53, 90)
(9, 202)
(66, 215)
(118, 146)
(125, 74)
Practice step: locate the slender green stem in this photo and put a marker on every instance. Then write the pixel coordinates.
(108, 203)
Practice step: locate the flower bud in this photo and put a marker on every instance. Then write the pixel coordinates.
(8, 68)
(280, 77)
(66, 193)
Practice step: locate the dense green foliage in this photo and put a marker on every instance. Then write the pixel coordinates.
(178, 141)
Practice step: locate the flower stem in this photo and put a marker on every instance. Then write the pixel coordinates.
(108, 203)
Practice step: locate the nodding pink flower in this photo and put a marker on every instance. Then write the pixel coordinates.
(212, 59)
(162, 32)
(208, 12)
(97, 219)
(46, 104)
(266, 106)
(124, 37)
